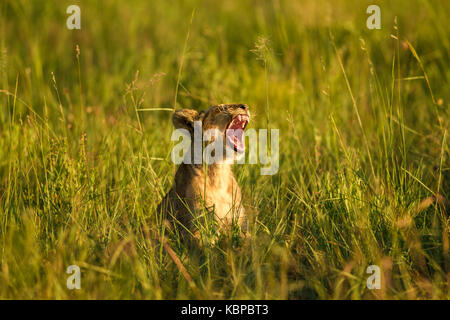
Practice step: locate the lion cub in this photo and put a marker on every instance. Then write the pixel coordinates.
(201, 188)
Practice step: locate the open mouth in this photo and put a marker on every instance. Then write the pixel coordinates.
(235, 132)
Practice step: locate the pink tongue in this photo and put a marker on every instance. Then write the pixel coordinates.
(236, 136)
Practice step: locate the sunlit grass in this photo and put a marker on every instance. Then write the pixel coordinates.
(364, 148)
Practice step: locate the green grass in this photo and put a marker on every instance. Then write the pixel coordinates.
(364, 146)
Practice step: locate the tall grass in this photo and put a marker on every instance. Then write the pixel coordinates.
(364, 147)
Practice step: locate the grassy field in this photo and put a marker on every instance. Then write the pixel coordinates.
(364, 147)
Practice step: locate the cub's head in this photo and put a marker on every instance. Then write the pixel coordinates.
(229, 120)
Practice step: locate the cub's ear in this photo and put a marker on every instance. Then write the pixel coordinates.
(184, 119)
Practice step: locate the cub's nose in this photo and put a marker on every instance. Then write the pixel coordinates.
(243, 106)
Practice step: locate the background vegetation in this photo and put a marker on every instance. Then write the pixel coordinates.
(364, 147)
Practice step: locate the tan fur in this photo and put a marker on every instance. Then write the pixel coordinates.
(201, 188)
